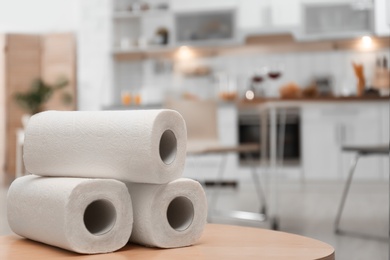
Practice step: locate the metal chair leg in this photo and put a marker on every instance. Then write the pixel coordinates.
(345, 192)
(215, 194)
(275, 221)
(242, 215)
(257, 183)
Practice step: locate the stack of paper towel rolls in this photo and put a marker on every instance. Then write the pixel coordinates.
(101, 179)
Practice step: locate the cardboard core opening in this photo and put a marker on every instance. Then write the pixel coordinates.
(168, 147)
(180, 213)
(99, 217)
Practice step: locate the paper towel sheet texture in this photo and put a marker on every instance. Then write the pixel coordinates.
(147, 146)
(82, 215)
(168, 215)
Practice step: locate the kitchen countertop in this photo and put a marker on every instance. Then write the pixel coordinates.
(242, 103)
(259, 104)
(318, 99)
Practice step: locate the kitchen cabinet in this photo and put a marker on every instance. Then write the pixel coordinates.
(326, 128)
(320, 150)
(254, 15)
(382, 17)
(330, 24)
(384, 138)
(289, 13)
(285, 13)
(180, 5)
(139, 30)
(361, 132)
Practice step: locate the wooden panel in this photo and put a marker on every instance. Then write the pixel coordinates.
(2, 103)
(23, 42)
(16, 59)
(22, 65)
(270, 39)
(28, 57)
(19, 81)
(10, 156)
(59, 60)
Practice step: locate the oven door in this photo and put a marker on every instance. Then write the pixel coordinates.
(249, 129)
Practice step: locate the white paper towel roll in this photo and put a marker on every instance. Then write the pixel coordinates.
(168, 215)
(146, 146)
(82, 215)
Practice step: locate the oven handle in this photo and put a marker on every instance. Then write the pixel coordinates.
(248, 122)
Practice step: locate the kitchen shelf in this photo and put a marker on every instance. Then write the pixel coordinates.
(153, 49)
(165, 51)
(142, 53)
(271, 43)
(133, 107)
(139, 14)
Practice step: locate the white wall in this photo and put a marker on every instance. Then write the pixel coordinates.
(38, 16)
(94, 59)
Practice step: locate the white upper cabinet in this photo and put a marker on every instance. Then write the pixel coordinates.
(285, 13)
(289, 13)
(251, 15)
(338, 19)
(180, 5)
(254, 14)
(382, 17)
(268, 15)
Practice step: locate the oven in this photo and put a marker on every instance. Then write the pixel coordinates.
(249, 131)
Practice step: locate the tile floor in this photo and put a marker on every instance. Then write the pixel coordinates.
(308, 209)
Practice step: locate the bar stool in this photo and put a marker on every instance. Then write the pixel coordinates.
(202, 134)
(360, 151)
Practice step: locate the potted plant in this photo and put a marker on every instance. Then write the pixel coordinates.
(34, 99)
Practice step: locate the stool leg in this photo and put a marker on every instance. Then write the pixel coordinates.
(345, 192)
(257, 183)
(221, 171)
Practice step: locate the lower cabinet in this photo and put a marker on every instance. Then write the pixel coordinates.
(326, 128)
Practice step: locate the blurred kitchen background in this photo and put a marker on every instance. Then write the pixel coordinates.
(330, 57)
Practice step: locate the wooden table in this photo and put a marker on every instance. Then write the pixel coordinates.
(217, 242)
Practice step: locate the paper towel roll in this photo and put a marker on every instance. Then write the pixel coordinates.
(168, 215)
(82, 215)
(146, 146)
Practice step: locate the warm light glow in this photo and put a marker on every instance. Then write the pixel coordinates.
(249, 95)
(366, 42)
(185, 53)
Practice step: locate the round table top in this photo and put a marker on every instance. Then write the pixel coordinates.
(217, 242)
